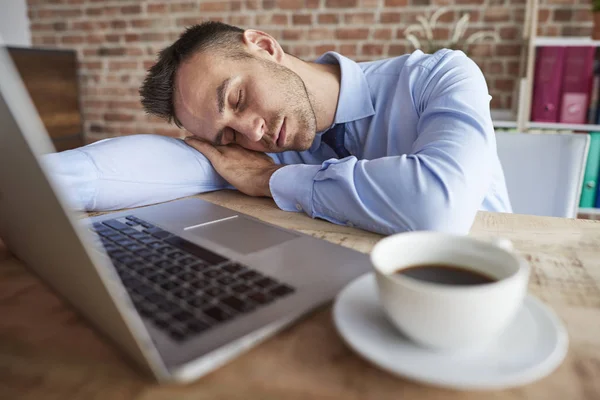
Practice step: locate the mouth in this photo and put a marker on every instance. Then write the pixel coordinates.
(281, 135)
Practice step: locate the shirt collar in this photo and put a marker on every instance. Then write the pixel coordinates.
(354, 101)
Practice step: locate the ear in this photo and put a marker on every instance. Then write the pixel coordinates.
(263, 43)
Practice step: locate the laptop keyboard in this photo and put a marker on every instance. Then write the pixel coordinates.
(183, 288)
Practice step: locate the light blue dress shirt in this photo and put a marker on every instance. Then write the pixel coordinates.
(423, 149)
(418, 128)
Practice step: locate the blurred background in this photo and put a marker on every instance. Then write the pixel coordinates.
(116, 41)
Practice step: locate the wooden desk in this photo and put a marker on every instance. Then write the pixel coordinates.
(48, 352)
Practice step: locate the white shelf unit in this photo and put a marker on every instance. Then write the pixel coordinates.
(589, 211)
(564, 41)
(559, 126)
(524, 122)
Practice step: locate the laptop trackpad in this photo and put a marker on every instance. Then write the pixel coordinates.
(242, 235)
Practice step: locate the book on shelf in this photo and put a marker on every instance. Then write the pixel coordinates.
(546, 83)
(593, 115)
(577, 82)
(589, 190)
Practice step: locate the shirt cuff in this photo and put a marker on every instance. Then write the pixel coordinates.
(292, 187)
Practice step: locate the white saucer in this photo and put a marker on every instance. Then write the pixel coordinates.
(532, 347)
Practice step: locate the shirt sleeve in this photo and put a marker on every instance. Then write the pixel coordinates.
(439, 186)
(130, 171)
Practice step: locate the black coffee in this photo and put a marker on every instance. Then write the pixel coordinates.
(445, 274)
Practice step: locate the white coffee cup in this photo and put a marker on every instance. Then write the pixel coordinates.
(444, 316)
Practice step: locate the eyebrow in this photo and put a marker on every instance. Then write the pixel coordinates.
(221, 90)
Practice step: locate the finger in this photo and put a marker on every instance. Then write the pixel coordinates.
(203, 147)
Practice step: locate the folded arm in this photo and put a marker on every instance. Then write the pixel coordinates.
(438, 186)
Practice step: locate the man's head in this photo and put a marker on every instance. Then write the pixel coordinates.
(227, 85)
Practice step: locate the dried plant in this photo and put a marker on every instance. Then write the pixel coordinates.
(422, 33)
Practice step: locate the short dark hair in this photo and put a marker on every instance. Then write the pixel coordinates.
(157, 90)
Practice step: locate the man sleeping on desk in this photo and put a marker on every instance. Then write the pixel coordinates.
(394, 145)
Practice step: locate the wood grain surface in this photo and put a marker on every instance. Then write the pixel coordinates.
(49, 352)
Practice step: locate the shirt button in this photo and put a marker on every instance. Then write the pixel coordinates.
(298, 207)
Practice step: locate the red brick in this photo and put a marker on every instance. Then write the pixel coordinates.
(390, 17)
(320, 34)
(510, 32)
(214, 6)
(182, 7)
(493, 67)
(562, 15)
(372, 49)
(189, 21)
(157, 8)
(508, 49)
(350, 33)
(397, 50)
(496, 14)
(328, 18)
(302, 51)
(293, 34)
(121, 65)
(341, 3)
(291, 4)
(395, 3)
(382, 34)
(118, 117)
(302, 19)
(360, 18)
(241, 21)
(72, 39)
(324, 48)
(131, 9)
(348, 50)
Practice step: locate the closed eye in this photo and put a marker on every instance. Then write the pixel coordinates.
(237, 105)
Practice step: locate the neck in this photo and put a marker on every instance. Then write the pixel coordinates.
(322, 83)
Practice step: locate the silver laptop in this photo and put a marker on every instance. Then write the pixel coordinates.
(181, 287)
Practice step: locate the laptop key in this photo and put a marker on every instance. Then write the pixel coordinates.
(153, 258)
(169, 285)
(234, 268)
(136, 247)
(212, 273)
(265, 282)
(217, 313)
(183, 293)
(192, 248)
(241, 288)
(237, 304)
(281, 290)
(260, 298)
(143, 252)
(174, 269)
(214, 291)
(186, 260)
(200, 284)
(226, 280)
(197, 326)
(183, 316)
(158, 278)
(188, 276)
(198, 301)
(250, 275)
(157, 232)
(113, 223)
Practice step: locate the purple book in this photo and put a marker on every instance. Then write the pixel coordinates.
(546, 83)
(578, 80)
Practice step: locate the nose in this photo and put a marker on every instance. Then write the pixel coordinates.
(253, 128)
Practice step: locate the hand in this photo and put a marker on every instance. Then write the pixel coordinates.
(249, 171)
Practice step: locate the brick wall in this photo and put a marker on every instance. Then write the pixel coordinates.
(117, 40)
